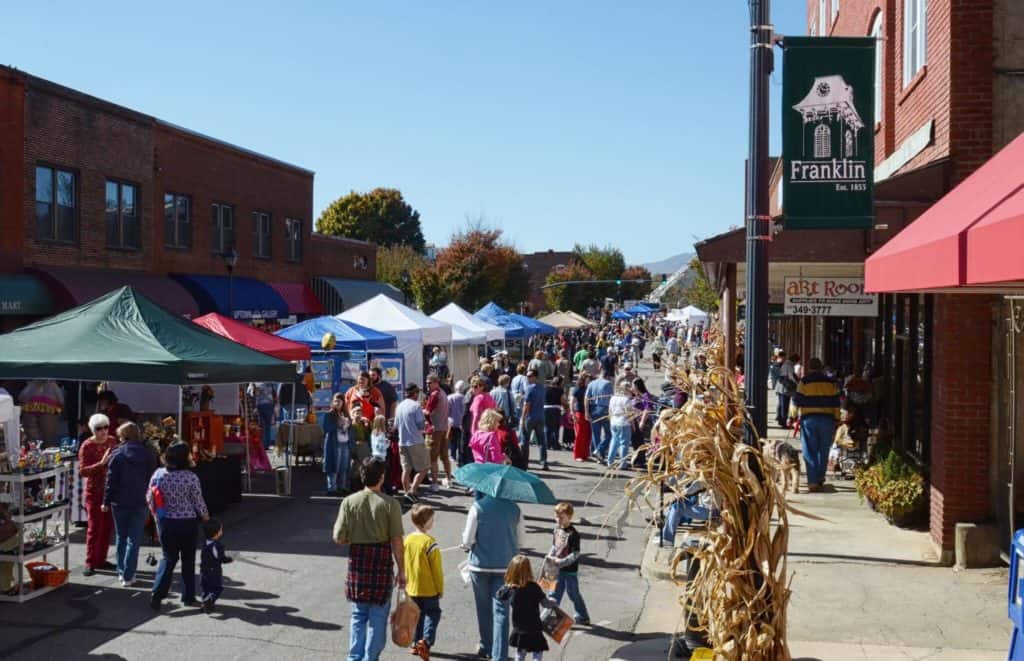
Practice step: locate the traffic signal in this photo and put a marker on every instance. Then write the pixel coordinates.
(618, 282)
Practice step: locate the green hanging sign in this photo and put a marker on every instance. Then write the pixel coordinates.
(828, 132)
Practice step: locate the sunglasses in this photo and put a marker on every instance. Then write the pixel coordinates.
(99, 427)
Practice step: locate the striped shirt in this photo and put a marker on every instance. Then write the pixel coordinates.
(817, 395)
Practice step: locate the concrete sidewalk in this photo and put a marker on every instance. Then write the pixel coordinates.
(862, 589)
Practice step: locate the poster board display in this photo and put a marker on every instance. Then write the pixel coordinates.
(392, 367)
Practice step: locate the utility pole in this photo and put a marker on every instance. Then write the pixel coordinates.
(758, 223)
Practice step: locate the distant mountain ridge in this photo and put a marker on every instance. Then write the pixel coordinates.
(669, 265)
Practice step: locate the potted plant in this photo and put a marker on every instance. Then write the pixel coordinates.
(894, 488)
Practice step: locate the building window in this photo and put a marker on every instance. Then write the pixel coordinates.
(915, 37)
(822, 142)
(56, 205)
(122, 213)
(261, 234)
(223, 228)
(177, 221)
(822, 15)
(876, 33)
(835, 10)
(293, 239)
(360, 263)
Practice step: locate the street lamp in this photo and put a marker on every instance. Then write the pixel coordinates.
(406, 279)
(230, 259)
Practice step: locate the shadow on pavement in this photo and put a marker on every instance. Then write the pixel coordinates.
(858, 559)
(260, 615)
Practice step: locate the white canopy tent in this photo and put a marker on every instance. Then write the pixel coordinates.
(453, 314)
(411, 328)
(464, 356)
(694, 315)
(10, 422)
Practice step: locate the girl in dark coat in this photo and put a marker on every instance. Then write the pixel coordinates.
(526, 598)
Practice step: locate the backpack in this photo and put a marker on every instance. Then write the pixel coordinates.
(510, 448)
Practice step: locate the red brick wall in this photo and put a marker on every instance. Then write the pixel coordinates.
(335, 257)
(96, 140)
(12, 170)
(210, 172)
(972, 85)
(961, 392)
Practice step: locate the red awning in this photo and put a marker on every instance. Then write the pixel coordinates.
(72, 287)
(299, 297)
(278, 347)
(936, 251)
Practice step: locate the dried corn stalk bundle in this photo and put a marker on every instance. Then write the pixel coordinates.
(740, 592)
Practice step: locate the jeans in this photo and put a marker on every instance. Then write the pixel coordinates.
(491, 614)
(816, 432)
(366, 616)
(128, 524)
(620, 444)
(570, 583)
(455, 444)
(600, 434)
(534, 656)
(266, 414)
(682, 511)
(430, 615)
(782, 414)
(552, 424)
(534, 428)
(178, 540)
(340, 478)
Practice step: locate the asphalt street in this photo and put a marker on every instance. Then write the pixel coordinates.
(285, 592)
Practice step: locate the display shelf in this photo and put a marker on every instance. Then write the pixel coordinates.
(32, 555)
(39, 514)
(32, 477)
(30, 595)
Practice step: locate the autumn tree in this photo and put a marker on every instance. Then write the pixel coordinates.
(479, 267)
(570, 297)
(381, 216)
(635, 290)
(394, 261)
(700, 293)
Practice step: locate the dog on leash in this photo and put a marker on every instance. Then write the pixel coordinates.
(786, 460)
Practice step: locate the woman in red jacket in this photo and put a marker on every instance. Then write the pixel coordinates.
(93, 457)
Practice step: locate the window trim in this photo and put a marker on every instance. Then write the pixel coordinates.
(919, 47)
(218, 228)
(822, 14)
(257, 235)
(835, 11)
(290, 240)
(875, 30)
(121, 183)
(77, 209)
(177, 229)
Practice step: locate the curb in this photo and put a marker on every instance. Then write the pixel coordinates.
(657, 561)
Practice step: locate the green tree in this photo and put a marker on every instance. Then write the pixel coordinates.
(429, 289)
(478, 266)
(381, 216)
(636, 290)
(605, 264)
(393, 261)
(570, 297)
(701, 293)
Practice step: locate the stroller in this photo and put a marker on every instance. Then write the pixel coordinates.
(849, 449)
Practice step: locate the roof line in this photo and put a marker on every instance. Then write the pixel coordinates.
(225, 143)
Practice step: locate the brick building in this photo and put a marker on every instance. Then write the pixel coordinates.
(539, 265)
(94, 195)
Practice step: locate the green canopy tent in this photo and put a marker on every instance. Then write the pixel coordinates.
(124, 336)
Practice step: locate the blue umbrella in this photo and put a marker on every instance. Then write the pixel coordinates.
(505, 482)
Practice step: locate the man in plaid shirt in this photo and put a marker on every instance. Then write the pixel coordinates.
(370, 523)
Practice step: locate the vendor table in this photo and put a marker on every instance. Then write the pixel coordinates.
(221, 480)
(302, 439)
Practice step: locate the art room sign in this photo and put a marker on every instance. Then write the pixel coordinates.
(829, 297)
(828, 132)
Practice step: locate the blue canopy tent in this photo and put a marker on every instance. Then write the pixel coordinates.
(535, 326)
(494, 314)
(348, 336)
(639, 308)
(621, 315)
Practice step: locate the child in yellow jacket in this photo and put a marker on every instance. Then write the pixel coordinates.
(424, 578)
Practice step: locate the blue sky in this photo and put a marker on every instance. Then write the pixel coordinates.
(621, 123)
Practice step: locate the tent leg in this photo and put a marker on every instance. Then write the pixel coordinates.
(245, 439)
(180, 421)
(291, 437)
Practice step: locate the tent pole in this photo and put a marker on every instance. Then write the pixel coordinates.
(245, 439)
(180, 421)
(291, 436)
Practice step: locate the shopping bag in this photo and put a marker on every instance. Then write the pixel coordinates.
(464, 572)
(556, 623)
(548, 579)
(403, 620)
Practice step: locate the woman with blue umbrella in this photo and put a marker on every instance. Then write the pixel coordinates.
(489, 554)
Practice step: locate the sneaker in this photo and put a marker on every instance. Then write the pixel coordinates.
(446, 483)
(583, 621)
(411, 499)
(154, 602)
(434, 487)
(127, 584)
(107, 566)
(545, 466)
(88, 571)
(191, 603)
(208, 606)
(423, 649)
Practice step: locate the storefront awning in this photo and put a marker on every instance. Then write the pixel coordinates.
(250, 298)
(970, 237)
(340, 294)
(71, 287)
(22, 294)
(299, 297)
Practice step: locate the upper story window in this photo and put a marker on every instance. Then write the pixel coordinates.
(223, 228)
(56, 204)
(822, 17)
(122, 212)
(293, 239)
(177, 221)
(915, 37)
(835, 10)
(876, 33)
(261, 234)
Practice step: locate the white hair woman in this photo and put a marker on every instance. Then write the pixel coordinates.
(93, 457)
(621, 426)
